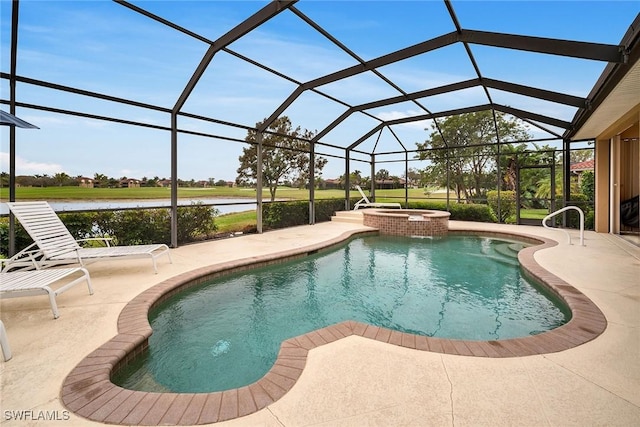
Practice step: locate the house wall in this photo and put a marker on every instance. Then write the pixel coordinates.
(617, 170)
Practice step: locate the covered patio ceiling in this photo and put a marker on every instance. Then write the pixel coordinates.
(364, 94)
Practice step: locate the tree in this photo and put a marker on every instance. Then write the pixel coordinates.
(100, 180)
(414, 177)
(284, 156)
(151, 182)
(578, 156)
(465, 147)
(535, 183)
(355, 178)
(113, 182)
(382, 174)
(588, 185)
(61, 178)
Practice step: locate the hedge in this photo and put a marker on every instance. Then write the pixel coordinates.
(459, 211)
(197, 222)
(507, 202)
(126, 227)
(288, 214)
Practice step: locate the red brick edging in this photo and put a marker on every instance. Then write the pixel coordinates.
(399, 222)
(88, 391)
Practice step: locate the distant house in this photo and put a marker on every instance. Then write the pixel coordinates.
(389, 184)
(85, 182)
(164, 183)
(577, 169)
(231, 184)
(203, 184)
(332, 183)
(129, 183)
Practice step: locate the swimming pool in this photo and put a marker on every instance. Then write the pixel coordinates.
(462, 287)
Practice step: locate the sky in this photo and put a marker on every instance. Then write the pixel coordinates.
(103, 47)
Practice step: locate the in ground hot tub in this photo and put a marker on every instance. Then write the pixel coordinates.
(407, 222)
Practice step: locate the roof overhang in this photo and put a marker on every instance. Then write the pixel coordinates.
(616, 95)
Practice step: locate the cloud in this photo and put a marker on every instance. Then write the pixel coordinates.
(26, 167)
(393, 115)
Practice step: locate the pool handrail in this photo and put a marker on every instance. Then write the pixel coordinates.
(566, 208)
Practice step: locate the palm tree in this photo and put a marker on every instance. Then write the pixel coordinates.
(61, 178)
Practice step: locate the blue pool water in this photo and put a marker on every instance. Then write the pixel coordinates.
(227, 333)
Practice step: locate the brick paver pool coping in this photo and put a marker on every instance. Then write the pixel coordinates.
(89, 392)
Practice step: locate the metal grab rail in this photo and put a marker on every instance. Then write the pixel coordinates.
(551, 215)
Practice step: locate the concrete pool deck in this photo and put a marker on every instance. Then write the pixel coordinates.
(358, 381)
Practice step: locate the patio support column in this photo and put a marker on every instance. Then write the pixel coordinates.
(312, 183)
(614, 183)
(174, 179)
(406, 180)
(566, 182)
(347, 181)
(602, 191)
(552, 202)
(498, 176)
(518, 198)
(12, 129)
(259, 183)
(373, 178)
(448, 176)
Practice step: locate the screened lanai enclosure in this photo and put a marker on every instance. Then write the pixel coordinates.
(478, 101)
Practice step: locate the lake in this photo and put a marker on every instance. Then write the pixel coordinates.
(223, 205)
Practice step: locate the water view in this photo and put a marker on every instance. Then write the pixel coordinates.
(224, 206)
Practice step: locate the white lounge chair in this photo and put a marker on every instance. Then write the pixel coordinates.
(365, 203)
(4, 343)
(24, 283)
(54, 245)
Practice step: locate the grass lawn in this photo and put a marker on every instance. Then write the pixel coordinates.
(533, 213)
(81, 193)
(226, 223)
(236, 221)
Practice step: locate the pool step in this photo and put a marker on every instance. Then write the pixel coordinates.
(354, 217)
(509, 250)
(506, 253)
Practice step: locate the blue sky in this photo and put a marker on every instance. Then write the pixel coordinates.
(103, 47)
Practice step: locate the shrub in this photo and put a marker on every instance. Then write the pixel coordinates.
(284, 214)
(289, 214)
(146, 226)
(589, 220)
(22, 238)
(573, 218)
(81, 225)
(127, 227)
(472, 212)
(325, 209)
(507, 204)
(459, 211)
(140, 226)
(196, 222)
(588, 184)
